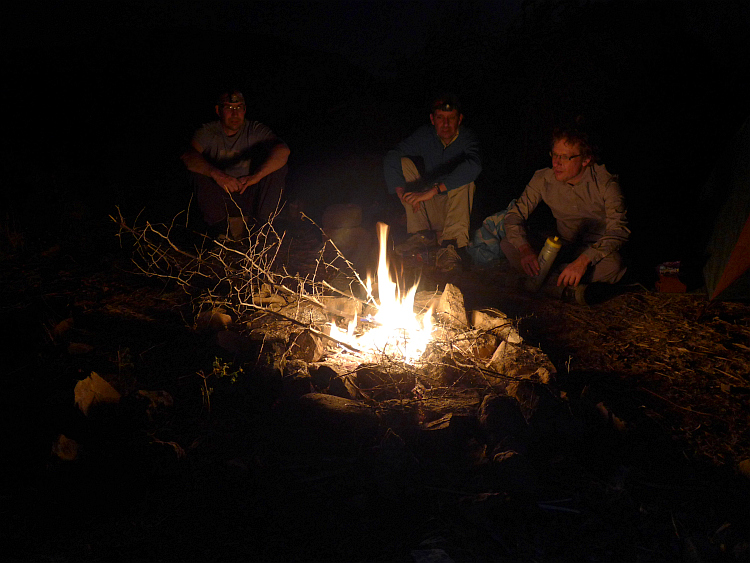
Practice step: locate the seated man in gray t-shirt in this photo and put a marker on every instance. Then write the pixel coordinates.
(238, 168)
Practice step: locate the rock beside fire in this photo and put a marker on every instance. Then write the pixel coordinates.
(382, 385)
(65, 448)
(450, 308)
(495, 322)
(94, 390)
(335, 423)
(343, 386)
(347, 239)
(296, 380)
(517, 360)
(306, 346)
(213, 320)
(532, 397)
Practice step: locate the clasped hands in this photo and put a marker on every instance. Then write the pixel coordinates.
(232, 184)
(571, 274)
(415, 198)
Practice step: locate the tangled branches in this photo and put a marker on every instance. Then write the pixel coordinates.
(240, 276)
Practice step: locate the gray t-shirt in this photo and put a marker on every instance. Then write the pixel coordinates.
(239, 154)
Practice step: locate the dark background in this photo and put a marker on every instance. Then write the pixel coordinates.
(105, 96)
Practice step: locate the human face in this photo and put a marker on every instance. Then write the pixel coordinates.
(567, 162)
(232, 116)
(446, 123)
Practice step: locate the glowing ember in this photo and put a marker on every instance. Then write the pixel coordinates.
(398, 331)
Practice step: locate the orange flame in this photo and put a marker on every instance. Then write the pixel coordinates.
(399, 332)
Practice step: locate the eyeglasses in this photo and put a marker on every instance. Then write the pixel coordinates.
(227, 107)
(563, 157)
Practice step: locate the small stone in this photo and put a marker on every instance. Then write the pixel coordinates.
(497, 323)
(322, 375)
(62, 327)
(215, 319)
(485, 345)
(500, 417)
(65, 448)
(306, 346)
(296, 380)
(343, 386)
(381, 385)
(94, 390)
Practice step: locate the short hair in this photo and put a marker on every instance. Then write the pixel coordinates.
(446, 101)
(577, 133)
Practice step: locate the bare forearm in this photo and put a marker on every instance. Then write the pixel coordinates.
(195, 162)
(276, 159)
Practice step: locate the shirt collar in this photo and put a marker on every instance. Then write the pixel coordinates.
(446, 145)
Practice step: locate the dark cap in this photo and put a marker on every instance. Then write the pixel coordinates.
(445, 102)
(233, 97)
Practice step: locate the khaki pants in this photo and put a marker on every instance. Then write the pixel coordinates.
(447, 213)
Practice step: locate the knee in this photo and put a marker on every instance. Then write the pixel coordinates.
(410, 169)
(511, 253)
(610, 269)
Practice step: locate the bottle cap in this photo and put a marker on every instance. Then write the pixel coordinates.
(554, 242)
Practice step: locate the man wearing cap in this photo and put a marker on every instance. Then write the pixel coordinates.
(237, 168)
(433, 172)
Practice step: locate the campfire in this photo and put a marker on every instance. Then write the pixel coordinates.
(395, 343)
(394, 330)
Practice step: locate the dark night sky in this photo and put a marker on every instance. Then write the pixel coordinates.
(124, 84)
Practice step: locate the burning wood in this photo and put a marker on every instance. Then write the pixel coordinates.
(395, 342)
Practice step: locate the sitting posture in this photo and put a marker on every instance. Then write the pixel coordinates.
(588, 206)
(433, 172)
(237, 168)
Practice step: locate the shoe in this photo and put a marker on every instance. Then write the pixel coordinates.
(416, 244)
(572, 294)
(447, 259)
(237, 227)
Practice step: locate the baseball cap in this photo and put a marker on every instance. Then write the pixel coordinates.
(445, 102)
(233, 97)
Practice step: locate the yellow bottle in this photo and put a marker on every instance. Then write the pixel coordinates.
(546, 259)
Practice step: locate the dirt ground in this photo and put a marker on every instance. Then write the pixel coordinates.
(657, 382)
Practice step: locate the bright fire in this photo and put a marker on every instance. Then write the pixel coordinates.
(397, 331)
